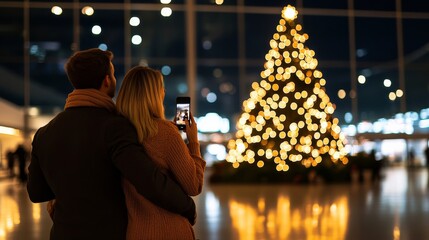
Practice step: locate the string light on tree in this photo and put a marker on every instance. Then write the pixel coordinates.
(288, 116)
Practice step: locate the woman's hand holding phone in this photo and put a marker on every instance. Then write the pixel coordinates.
(191, 129)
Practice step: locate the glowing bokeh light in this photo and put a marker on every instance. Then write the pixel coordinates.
(56, 10)
(134, 21)
(399, 93)
(387, 83)
(211, 97)
(136, 39)
(341, 94)
(96, 30)
(361, 79)
(166, 70)
(87, 10)
(166, 12)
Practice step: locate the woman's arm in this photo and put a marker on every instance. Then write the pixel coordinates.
(184, 161)
(136, 166)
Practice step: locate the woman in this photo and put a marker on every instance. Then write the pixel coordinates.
(140, 99)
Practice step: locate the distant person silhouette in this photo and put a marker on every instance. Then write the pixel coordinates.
(10, 162)
(427, 157)
(21, 155)
(411, 158)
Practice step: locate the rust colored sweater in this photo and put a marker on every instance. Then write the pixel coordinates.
(184, 163)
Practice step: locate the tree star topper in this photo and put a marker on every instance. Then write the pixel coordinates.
(290, 13)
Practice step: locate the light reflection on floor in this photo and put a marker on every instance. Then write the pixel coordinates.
(396, 208)
(279, 221)
(9, 213)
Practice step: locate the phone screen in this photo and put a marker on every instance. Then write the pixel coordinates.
(182, 111)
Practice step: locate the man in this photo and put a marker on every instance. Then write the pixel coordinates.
(80, 157)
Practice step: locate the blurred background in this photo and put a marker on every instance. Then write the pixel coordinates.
(373, 55)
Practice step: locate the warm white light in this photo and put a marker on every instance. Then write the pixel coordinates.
(96, 30)
(264, 120)
(387, 82)
(341, 94)
(9, 131)
(219, 2)
(165, 1)
(87, 10)
(134, 21)
(166, 11)
(399, 93)
(290, 13)
(392, 96)
(136, 39)
(56, 10)
(33, 111)
(361, 79)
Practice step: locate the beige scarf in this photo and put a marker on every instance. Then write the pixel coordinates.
(89, 98)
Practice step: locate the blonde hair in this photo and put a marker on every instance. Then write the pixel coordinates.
(140, 99)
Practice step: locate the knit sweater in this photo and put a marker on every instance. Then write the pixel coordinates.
(184, 163)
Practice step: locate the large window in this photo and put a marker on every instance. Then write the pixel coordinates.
(231, 40)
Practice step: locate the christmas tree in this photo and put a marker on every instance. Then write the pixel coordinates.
(288, 117)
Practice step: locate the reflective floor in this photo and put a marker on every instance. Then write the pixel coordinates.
(395, 208)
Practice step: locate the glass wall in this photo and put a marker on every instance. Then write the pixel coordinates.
(230, 41)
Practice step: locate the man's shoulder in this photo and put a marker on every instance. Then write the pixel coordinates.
(97, 114)
(117, 126)
(101, 117)
(117, 119)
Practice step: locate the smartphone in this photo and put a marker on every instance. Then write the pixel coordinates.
(183, 109)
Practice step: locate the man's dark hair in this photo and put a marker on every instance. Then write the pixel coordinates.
(88, 68)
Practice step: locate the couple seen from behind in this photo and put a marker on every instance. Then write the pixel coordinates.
(115, 171)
